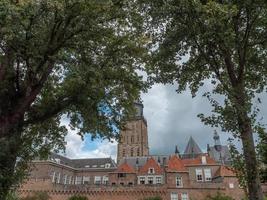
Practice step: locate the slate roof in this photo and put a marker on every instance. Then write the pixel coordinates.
(88, 163)
(220, 156)
(191, 149)
(162, 160)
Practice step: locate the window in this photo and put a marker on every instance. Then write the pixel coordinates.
(105, 180)
(113, 184)
(137, 138)
(58, 177)
(142, 180)
(65, 179)
(107, 165)
(207, 173)
(121, 183)
(97, 180)
(138, 152)
(151, 171)
(174, 196)
(231, 185)
(86, 180)
(199, 175)
(53, 177)
(123, 153)
(78, 180)
(121, 175)
(130, 183)
(158, 180)
(132, 139)
(132, 151)
(179, 182)
(150, 180)
(70, 179)
(184, 196)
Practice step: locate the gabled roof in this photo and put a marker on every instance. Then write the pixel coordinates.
(192, 147)
(125, 168)
(198, 161)
(88, 163)
(225, 172)
(175, 164)
(151, 163)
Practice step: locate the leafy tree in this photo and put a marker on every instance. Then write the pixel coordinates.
(37, 196)
(262, 153)
(78, 197)
(225, 42)
(71, 59)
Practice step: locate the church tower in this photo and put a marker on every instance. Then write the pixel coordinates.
(134, 139)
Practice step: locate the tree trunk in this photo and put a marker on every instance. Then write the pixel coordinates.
(246, 134)
(10, 145)
(254, 187)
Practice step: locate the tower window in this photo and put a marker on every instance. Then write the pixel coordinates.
(132, 152)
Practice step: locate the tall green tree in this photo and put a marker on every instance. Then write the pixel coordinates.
(226, 45)
(62, 58)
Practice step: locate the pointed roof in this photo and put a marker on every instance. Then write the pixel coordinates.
(192, 147)
(175, 164)
(125, 168)
(151, 163)
(176, 150)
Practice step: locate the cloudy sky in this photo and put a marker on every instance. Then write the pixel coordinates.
(172, 119)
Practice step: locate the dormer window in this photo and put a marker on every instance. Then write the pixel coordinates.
(107, 165)
(151, 171)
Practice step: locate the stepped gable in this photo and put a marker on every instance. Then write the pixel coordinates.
(125, 168)
(192, 147)
(225, 171)
(198, 161)
(151, 163)
(175, 164)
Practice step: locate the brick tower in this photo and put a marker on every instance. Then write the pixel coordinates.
(134, 139)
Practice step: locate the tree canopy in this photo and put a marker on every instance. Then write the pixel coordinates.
(221, 43)
(66, 58)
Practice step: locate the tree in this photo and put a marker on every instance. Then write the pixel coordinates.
(62, 59)
(78, 197)
(225, 42)
(262, 154)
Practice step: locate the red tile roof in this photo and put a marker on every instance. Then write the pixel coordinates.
(125, 168)
(151, 163)
(225, 171)
(175, 164)
(198, 161)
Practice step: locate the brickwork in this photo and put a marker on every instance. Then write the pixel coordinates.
(134, 140)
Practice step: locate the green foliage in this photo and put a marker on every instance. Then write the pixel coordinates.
(78, 197)
(153, 198)
(12, 196)
(262, 154)
(219, 44)
(219, 196)
(37, 196)
(74, 61)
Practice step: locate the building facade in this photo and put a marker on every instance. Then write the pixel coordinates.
(136, 175)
